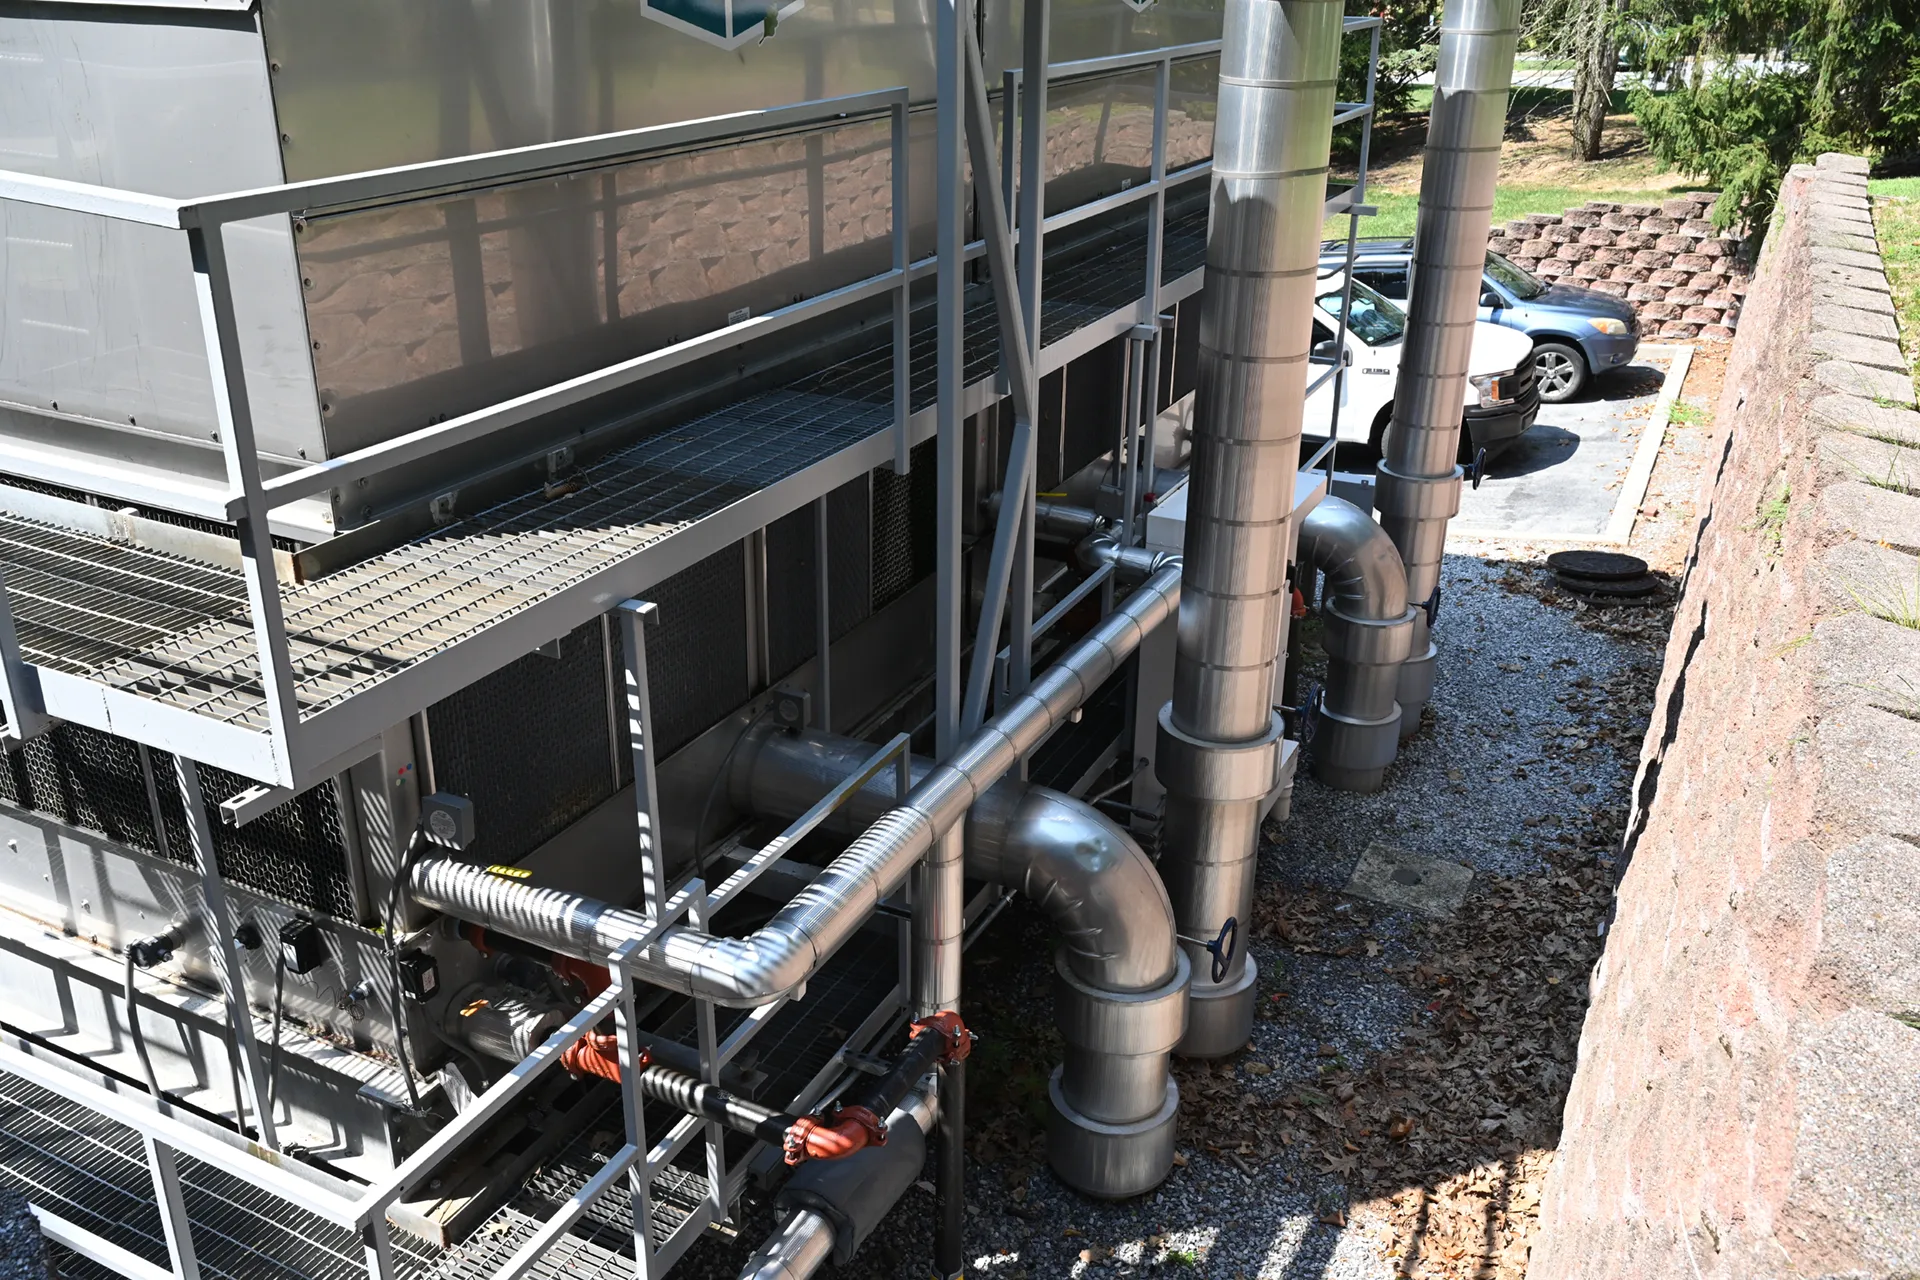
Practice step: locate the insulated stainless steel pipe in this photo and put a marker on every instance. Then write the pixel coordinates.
(1219, 749)
(1368, 630)
(1120, 988)
(788, 949)
(1419, 484)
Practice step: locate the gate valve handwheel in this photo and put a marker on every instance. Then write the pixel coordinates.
(948, 1024)
(1221, 948)
(840, 1131)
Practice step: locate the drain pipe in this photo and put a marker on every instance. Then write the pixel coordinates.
(1368, 630)
(1120, 979)
(1219, 749)
(790, 947)
(1419, 484)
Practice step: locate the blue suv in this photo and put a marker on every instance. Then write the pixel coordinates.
(1577, 333)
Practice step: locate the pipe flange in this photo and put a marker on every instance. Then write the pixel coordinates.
(1416, 497)
(1110, 1161)
(1373, 641)
(1221, 771)
(1123, 1022)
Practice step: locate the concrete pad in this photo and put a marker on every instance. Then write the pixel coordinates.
(1845, 296)
(1864, 417)
(1869, 324)
(1858, 349)
(1568, 477)
(1860, 380)
(1856, 509)
(1431, 886)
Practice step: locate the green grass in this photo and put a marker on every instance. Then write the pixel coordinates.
(1397, 209)
(1896, 223)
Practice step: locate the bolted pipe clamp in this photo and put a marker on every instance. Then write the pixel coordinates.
(1224, 771)
(958, 1040)
(1416, 497)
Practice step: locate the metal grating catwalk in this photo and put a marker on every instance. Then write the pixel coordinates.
(177, 632)
(93, 1171)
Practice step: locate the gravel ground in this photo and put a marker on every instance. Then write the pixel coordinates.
(1505, 758)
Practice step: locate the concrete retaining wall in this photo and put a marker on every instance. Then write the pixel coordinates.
(1685, 279)
(1747, 1101)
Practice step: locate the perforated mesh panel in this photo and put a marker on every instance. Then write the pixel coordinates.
(792, 593)
(697, 654)
(88, 779)
(528, 745)
(903, 526)
(850, 557)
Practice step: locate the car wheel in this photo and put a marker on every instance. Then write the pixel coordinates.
(1377, 434)
(1559, 371)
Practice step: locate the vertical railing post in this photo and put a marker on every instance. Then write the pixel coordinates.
(626, 1022)
(174, 1224)
(634, 616)
(233, 421)
(225, 948)
(19, 682)
(376, 1246)
(950, 19)
(1031, 220)
(823, 618)
(699, 914)
(902, 295)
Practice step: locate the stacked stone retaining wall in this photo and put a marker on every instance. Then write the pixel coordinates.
(1747, 1100)
(1685, 279)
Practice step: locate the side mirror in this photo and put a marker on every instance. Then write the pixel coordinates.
(1488, 298)
(1328, 350)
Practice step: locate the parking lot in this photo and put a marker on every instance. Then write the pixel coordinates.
(1573, 476)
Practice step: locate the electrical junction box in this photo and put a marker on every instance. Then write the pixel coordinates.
(419, 974)
(447, 819)
(302, 949)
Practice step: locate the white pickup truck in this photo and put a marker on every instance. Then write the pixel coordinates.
(1501, 400)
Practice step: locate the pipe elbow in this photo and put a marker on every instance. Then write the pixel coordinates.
(1367, 579)
(1089, 877)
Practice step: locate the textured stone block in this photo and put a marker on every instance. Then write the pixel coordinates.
(1526, 263)
(1591, 271)
(1619, 222)
(1661, 226)
(1686, 297)
(1552, 268)
(1716, 333)
(1679, 329)
(1701, 315)
(1503, 245)
(1627, 273)
(1698, 227)
(1641, 210)
(1708, 282)
(1613, 257)
(1519, 228)
(1646, 293)
(1561, 235)
(1692, 262)
(1536, 247)
(1602, 207)
(1673, 244)
(1573, 252)
(1863, 380)
(1717, 247)
(1598, 237)
(1543, 219)
(1660, 311)
(1679, 208)
(1857, 348)
(1870, 324)
(1652, 259)
(1613, 288)
(1582, 218)
(1672, 279)
(1636, 239)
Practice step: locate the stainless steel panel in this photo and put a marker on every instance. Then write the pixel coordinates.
(101, 322)
(1098, 28)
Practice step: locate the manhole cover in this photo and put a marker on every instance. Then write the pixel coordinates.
(1605, 565)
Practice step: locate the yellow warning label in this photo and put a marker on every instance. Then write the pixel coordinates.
(509, 873)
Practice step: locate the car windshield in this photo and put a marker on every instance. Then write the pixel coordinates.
(1518, 281)
(1372, 319)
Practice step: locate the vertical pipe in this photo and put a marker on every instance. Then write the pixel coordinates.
(634, 616)
(949, 289)
(1419, 485)
(1219, 736)
(1035, 23)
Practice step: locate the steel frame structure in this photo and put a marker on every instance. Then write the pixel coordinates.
(296, 751)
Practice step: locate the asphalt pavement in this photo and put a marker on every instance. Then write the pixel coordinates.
(1571, 477)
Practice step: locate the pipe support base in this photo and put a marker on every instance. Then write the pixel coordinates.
(1110, 1161)
(1220, 1019)
(1353, 755)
